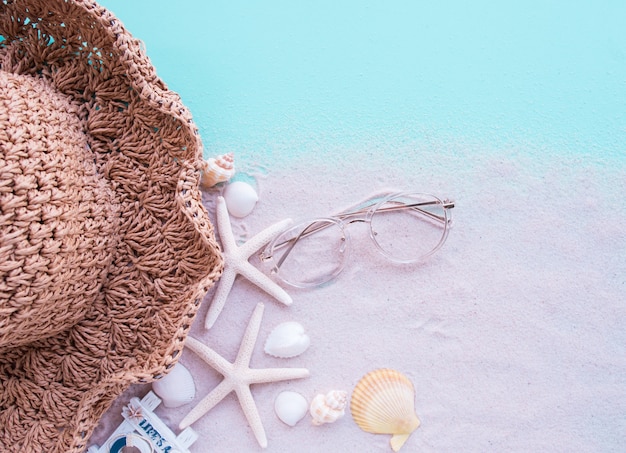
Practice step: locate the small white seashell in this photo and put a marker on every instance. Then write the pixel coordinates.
(290, 407)
(328, 408)
(176, 388)
(240, 198)
(287, 340)
(217, 169)
(383, 402)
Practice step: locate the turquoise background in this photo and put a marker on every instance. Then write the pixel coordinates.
(264, 75)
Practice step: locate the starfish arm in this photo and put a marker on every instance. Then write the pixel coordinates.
(223, 226)
(224, 286)
(268, 285)
(265, 375)
(208, 355)
(238, 377)
(252, 414)
(249, 337)
(207, 403)
(263, 237)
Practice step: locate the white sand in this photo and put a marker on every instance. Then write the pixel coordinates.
(513, 333)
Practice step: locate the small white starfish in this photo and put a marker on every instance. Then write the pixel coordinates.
(238, 376)
(236, 262)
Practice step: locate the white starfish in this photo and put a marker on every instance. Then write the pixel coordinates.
(238, 376)
(236, 262)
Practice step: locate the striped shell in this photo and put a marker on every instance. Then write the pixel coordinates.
(176, 388)
(286, 340)
(383, 403)
(328, 408)
(217, 169)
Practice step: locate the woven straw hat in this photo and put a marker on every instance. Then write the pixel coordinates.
(105, 249)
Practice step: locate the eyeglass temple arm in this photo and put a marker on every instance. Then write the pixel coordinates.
(293, 242)
(447, 204)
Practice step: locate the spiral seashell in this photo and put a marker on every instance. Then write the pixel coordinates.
(328, 408)
(383, 403)
(217, 169)
(176, 388)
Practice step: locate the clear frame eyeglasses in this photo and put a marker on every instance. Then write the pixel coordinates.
(405, 228)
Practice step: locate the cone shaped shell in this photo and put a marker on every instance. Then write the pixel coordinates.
(328, 408)
(383, 402)
(217, 169)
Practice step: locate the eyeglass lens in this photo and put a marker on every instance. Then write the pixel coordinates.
(310, 254)
(408, 228)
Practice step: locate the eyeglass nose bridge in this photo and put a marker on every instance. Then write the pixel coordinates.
(448, 205)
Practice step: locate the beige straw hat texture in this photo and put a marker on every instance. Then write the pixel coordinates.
(105, 249)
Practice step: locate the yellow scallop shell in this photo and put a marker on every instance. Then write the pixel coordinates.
(383, 402)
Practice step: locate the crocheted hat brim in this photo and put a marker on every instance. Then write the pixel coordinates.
(146, 148)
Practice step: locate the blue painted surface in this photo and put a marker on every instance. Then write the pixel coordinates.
(550, 73)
